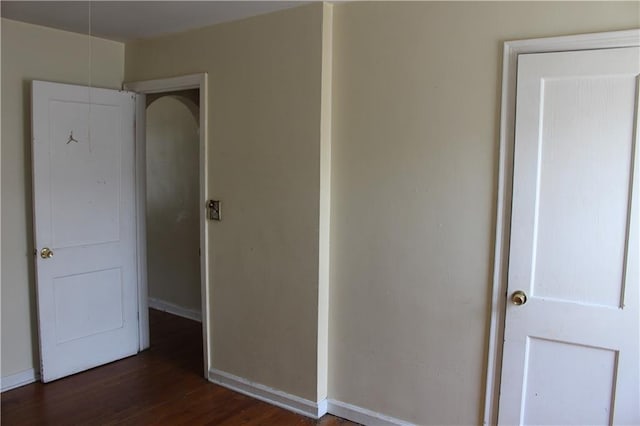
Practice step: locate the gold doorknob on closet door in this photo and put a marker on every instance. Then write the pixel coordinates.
(46, 253)
(518, 298)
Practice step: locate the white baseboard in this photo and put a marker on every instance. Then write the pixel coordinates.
(362, 415)
(19, 379)
(264, 393)
(303, 406)
(272, 396)
(161, 305)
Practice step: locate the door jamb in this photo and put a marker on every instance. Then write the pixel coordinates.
(606, 40)
(191, 81)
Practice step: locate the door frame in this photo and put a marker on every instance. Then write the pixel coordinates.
(605, 40)
(185, 82)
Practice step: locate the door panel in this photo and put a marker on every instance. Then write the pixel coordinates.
(586, 125)
(562, 399)
(571, 352)
(95, 173)
(101, 309)
(84, 211)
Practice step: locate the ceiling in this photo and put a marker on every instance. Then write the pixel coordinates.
(130, 20)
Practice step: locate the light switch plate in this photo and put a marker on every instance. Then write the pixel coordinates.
(213, 210)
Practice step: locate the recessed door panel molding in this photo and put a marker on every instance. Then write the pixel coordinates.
(585, 155)
(92, 151)
(84, 222)
(561, 376)
(102, 308)
(571, 349)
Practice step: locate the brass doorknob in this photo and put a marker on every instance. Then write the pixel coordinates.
(46, 253)
(518, 298)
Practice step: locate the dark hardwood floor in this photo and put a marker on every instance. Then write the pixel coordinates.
(160, 386)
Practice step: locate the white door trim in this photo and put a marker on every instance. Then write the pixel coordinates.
(192, 81)
(511, 51)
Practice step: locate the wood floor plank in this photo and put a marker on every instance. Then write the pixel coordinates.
(161, 386)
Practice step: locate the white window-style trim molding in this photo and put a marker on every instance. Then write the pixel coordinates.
(512, 49)
(172, 84)
(19, 379)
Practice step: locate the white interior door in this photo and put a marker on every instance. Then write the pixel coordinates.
(84, 213)
(571, 352)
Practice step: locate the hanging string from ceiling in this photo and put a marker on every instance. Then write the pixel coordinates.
(90, 40)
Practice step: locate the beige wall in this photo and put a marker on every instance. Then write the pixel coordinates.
(415, 143)
(32, 52)
(173, 201)
(264, 147)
